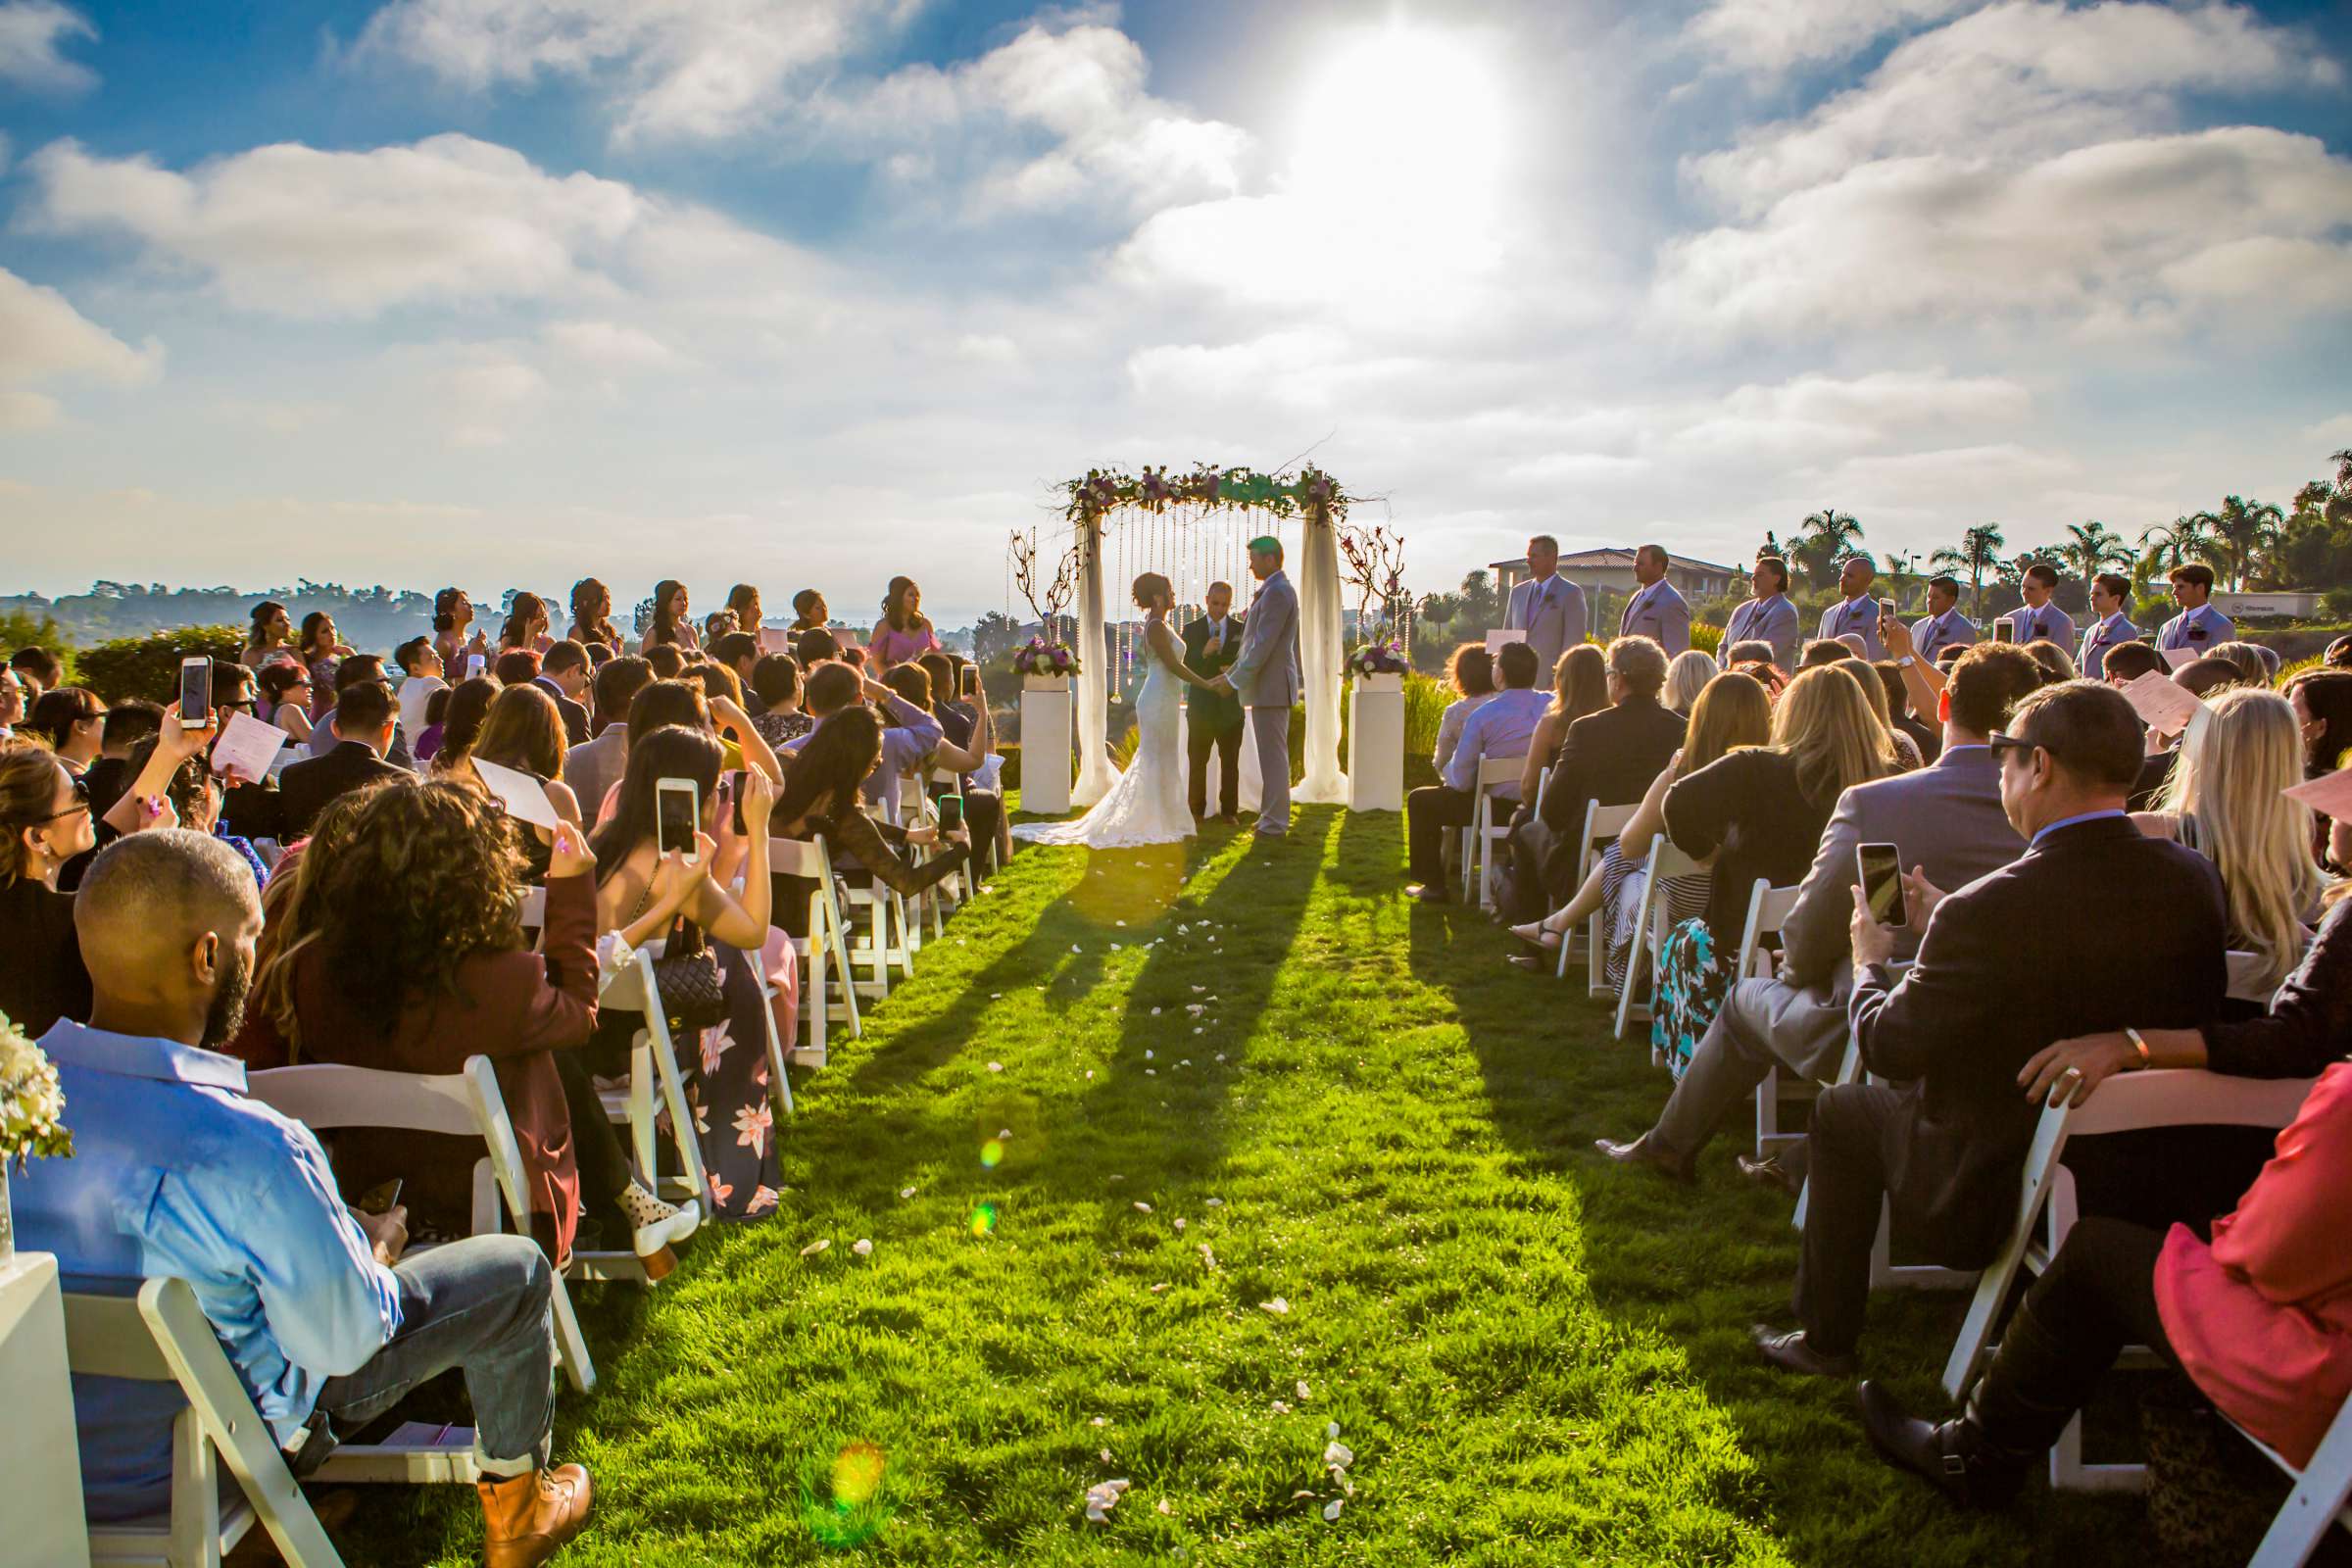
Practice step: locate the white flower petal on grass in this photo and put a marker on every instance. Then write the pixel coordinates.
(1331, 1429)
(1196, 990)
(1163, 1506)
(862, 1247)
(1220, 1055)
(1090, 1075)
(1005, 1134)
(816, 1247)
(1105, 1453)
(1160, 1287)
(1303, 1393)
(1075, 947)
(1296, 1495)
(1217, 1202)
(1180, 1224)
(995, 1066)
(1118, 922)
(1337, 1455)
(1281, 1408)
(1142, 1207)
(1114, 946)
(1208, 1257)
(1116, 1177)
(1098, 1422)
(905, 1192)
(1101, 1497)
(1154, 1012)
(1330, 1511)
(1151, 1072)
(1280, 1308)
(996, 996)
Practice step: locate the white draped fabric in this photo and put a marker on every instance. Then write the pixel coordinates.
(1319, 655)
(1096, 771)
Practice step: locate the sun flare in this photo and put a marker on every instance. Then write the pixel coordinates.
(1402, 120)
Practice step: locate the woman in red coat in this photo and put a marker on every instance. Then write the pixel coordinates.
(401, 949)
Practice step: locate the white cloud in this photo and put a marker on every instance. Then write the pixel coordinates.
(1771, 35)
(612, 346)
(30, 31)
(43, 338)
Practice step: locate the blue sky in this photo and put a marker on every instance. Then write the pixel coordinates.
(812, 291)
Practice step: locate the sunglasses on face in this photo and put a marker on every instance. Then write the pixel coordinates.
(2003, 745)
(81, 791)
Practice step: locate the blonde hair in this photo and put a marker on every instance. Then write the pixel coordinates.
(2233, 765)
(1732, 712)
(1830, 729)
(1686, 678)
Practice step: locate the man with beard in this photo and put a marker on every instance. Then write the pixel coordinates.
(177, 1174)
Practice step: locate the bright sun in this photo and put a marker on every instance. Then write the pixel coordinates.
(1402, 122)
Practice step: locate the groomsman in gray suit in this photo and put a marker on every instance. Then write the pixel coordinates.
(1768, 617)
(1656, 610)
(1943, 627)
(2038, 619)
(1267, 676)
(1548, 607)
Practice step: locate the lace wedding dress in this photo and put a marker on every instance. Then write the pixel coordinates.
(1148, 805)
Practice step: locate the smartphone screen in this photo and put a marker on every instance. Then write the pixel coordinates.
(476, 663)
(735, 783)
(1882, 869)
(676, 816)
(2004, 631)
(951, 813)
(971, 681)
(195, 692)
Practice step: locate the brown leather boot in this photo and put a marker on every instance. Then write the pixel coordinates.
(526, 1518)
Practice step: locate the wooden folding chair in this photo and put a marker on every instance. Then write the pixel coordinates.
(326, 1096)
(2127, 1103)
(1602, 823)
(631, 987)
(162, 1336)
(1665, 861)
(1478, 842)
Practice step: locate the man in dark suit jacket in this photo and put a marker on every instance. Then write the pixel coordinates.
(563, 675)
(1610, 757)
(2006, 967)
(363, 729)
(1213, 718)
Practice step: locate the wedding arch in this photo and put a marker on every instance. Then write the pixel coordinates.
(1194, 529)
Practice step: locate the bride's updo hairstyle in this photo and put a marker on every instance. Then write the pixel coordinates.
(1150, 587)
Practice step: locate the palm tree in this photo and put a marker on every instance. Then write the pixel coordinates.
(2173, 544)
(2241, 530)
(1980, 551)
(2093, 546)
(1832, 532)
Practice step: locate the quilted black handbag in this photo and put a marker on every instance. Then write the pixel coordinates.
(694, 995)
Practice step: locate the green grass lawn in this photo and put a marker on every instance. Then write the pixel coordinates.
(1534, 1357)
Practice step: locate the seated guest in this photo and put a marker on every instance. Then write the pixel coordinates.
(591, 616)
(462, 719)
(2259, 1318)
(363, 730)
(2056, 663)
(286, 699)
(673, 625)
(2208, 674)
(852, 837)
(400, 951)
(2249, 658)
(37, 670)
(1733, 713)
(644, 894)
(1501, 729)
(1770, 677)
(1607, 758)
(909, 736)
(912, 682)
(815, 646)
(516, 666)
(195, 792)
(177, 1174)
(904, 632)
(420, 676)
(2119, 666)
(522, 732)
(2338, 655)
(1759, 814)
(594, 768)
(564, 674)
(2323, 704)
(46, 812)
(11, 705)
(808, 613)
(353, 670)
(1580, 685)
(1827, 651)
(1997, 979)
(249, 808)
(1948, 822)
(436, 720)
(126, 724)
(739, 652)
(73, 720)
(1924, 741)
(1471, 674)
(723, 714)
(776, 682)
(971, 725)
(526, 627)
(667, 661)
(1686, 675)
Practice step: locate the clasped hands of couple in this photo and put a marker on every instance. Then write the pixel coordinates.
(2063, 1073)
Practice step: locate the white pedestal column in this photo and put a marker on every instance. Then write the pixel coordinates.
(1376, 744)
(1046, 745)
(38, 1453)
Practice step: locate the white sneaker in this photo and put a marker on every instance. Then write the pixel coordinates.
(653, 1224)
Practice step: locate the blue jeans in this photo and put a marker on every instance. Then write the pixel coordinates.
(479, 1306)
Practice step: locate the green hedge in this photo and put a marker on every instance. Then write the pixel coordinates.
(149, 666)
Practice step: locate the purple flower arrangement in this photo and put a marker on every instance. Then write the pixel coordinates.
(1377, 659)
(1038, 656)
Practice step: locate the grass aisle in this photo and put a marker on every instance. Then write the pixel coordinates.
(1535, 1359)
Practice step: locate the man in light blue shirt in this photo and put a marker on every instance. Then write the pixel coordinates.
(912, 736)
(1945, 626)
(177, 1174)
(1768, 617)
(2199, 627)
(1548, 607)
(1856, 613)
(2110, 592)
(2038, 619)
(1656, 610)
(1501, 727)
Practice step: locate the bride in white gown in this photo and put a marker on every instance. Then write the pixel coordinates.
(1148, 805)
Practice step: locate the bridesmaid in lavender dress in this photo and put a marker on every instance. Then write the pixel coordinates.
(903, 633)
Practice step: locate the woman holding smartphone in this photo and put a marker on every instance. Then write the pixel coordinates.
(646, 890)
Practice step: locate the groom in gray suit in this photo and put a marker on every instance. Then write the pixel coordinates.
(1267, 676)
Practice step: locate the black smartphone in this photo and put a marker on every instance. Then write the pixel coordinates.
(676, 816)
(735, 796)
(195, 691)
(2004, 631)
(951, 813)
(971, 683)
(1881, 866)
(379, 1199)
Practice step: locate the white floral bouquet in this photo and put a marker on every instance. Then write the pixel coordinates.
(31, 1102)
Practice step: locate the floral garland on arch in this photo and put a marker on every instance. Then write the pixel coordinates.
(1155, 490)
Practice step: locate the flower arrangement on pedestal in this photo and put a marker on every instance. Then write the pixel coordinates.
(1377, 659)
(30, 1107)
(1038, 656)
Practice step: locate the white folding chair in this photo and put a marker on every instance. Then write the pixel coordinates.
(162, 1336)
(2246, 982)
(2127, 1103)
(916, 811)
(1478, 839)
(1759, 958)
(326, 1096)
(1602, 823)
(886, 940)
(1649, 932)
(825, 952)
(2318, 1500)
(631, 987)
(533, 916)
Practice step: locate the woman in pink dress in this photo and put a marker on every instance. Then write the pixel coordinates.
(903, 633)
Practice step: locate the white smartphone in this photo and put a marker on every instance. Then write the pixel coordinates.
(1881, 868)
(476, 663)
(195, 691)
(677, 818)
(2004, 631)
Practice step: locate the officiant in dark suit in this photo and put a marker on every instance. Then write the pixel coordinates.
(1213, 718)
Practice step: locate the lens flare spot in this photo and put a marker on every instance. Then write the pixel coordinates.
(984, 1220)
(991, 1152)
(857, 1474)
(843, 1503)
